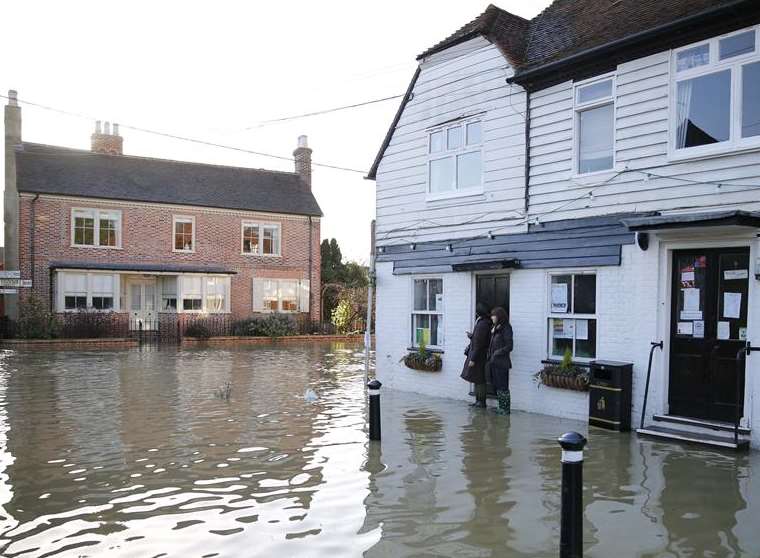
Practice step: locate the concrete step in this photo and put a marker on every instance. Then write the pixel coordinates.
(701, 438)
(696, 425)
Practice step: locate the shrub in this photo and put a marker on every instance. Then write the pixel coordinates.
(342, 315)
(198, 330)
(35, 321)
(272, 325)
(88, 324)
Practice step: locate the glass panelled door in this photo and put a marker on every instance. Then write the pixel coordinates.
(493, 291)
(141, 294)
(708, 327)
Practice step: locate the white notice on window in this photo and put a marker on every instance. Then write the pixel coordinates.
(690, 300)
(687, 276)
(699, 329)
(685, 328)
(569, 328)
(581, 329)
(732, 304)
(559, 297)
(724, 330)
(731, 274)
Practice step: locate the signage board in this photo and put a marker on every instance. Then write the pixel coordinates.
(8, 291)
(10, 275)
(24, 283)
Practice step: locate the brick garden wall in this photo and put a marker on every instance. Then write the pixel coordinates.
(147, 237)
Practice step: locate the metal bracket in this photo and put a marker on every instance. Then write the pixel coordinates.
(749, 348)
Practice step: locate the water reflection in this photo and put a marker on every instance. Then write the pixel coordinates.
(130, 454)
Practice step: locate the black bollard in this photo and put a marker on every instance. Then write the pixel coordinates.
(373, 388)
(571, 521)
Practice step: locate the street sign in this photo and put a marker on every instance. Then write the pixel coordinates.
(8, 291)
(10, 275)
(24, 283)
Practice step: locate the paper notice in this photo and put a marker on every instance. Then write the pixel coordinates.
(690, 300)
(731, 274)
(569, 328)
(732, 304)
(581, 329)
(687, 276)
(691, 316)
(685, 328)
(559, 297)
(724, 330)
(699, 329)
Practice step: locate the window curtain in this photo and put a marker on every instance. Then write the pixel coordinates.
(683, 109)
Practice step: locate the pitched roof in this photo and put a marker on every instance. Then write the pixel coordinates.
(46, 169)
(567, 27)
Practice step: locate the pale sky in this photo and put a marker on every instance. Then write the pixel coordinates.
(208, 70)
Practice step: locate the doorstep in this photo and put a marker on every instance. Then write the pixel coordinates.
(702, 423)
(697, 438)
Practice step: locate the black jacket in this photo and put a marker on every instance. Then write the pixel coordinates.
(499, 348)
(478, 352)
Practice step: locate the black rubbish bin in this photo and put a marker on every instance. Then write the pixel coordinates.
(609, 402)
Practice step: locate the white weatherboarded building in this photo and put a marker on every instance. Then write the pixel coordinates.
(629, 216)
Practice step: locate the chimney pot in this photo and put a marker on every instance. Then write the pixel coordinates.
(107, 128)
(105, 142)
(115, 129)
(303, 141)
(98, 129)
(13, 97)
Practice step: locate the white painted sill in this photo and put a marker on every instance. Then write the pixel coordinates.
(695, 154)
(471, 193)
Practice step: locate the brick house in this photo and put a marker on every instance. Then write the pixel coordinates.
(142, 236)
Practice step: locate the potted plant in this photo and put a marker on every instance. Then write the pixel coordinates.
(422, 359)
(564, 375)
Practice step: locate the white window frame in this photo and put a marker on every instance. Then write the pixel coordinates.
(578, 108)
(95, 214)
(89, 291)
(183, 219)
(182, 294)
(550, 316)
(735, 142)
(261, 225)
(441, 313)
(463, 149)
(299, 293)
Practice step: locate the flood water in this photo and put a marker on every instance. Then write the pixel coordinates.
(132, 453)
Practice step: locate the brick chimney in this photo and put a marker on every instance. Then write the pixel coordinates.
(103, 141)
(302, 156)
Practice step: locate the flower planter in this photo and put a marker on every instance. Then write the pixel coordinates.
(428, 363)
(576, 381)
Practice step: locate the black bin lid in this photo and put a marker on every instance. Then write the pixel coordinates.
(610, 363)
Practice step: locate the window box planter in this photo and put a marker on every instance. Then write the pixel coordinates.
(563, 375)
(423, 360)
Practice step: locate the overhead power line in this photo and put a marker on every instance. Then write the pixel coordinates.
(319, 112)
(184, 138)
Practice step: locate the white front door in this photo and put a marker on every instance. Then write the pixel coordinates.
(141, 295)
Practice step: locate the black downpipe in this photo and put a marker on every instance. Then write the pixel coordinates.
(33, 218)
(311, 265)
(527, 151)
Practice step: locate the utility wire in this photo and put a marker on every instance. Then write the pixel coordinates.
(184, 138)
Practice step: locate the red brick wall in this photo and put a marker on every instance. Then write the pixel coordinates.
(147, 237)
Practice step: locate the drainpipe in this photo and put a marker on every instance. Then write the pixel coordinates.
(527, 151)
(311, 265)
(33, 213)
(370, 288)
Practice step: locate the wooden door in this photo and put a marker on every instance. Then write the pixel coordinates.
(708, 327)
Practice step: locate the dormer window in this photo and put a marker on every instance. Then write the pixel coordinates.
(455, 158)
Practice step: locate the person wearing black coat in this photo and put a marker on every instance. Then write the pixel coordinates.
(474, 369)
(499, 361)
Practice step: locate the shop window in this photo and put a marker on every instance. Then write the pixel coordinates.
(572, 316)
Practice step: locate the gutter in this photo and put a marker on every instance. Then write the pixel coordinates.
(529, 77)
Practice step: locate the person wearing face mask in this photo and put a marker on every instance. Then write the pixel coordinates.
(475, 364)
(499, 361)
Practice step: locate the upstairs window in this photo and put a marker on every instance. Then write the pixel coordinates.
(594, 126)
(716, 95)
(455, 158)
(261, 239)
(96, 228)
(184, 234)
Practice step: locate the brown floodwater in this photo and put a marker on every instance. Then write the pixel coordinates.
(133, 453)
